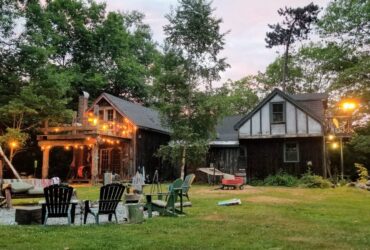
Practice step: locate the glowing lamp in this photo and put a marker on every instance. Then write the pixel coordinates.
(95, 121)
(13, 144)
(334, 145)
(331, 137)
(348, 105)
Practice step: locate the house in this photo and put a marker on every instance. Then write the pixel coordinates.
(112, 135)
(282, 132)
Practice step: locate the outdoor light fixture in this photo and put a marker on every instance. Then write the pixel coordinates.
(334, 145)
(13, 144)
(331, 137)
(348, 105)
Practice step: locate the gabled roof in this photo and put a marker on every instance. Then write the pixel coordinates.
(143, 117)
(287, 97)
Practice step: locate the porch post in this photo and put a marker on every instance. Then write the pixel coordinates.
(94, 163)
(1, 169)
(45, 163)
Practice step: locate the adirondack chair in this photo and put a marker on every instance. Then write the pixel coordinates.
(58, 203)
(110, 196)
(187, 185)
(167, 204)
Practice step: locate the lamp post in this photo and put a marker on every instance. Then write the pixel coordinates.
(347, 106)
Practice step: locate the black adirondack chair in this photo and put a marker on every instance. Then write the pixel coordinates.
(58, 203)
(110, 196)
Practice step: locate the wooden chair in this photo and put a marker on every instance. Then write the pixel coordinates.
(167, 204)
(110, 196)
(58, 203)
(187, 185)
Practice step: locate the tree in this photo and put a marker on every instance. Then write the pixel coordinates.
(296, 26)
(101, 51)
(195, 33)
(191, 62)
(347, 21)
(236, 97)
(274, 72)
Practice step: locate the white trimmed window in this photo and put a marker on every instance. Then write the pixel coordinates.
(291, 152)
(277, 112)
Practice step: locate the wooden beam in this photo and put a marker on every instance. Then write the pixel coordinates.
(66, 129)
(62, 143)
(45, 163)
(1, 169)
(94, 163)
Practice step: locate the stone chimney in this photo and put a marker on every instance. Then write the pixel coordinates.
(82, 106)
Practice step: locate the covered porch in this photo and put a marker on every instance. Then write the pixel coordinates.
(89, 153)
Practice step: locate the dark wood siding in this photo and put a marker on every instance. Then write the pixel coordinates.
(147, 144)
(266, 156)
(224, 158)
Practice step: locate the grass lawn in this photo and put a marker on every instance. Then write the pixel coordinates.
(269, 218)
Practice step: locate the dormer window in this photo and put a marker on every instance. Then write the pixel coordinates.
(277, 112)
(110, 115)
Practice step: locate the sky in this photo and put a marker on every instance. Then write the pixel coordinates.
(246, 21)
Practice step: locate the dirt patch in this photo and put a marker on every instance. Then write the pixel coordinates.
(214, 217)
(299, 239)
(270, 199)
(216, 190)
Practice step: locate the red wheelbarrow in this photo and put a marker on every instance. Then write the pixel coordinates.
(237, 182)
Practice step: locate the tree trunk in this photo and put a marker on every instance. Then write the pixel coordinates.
(9, 163)
(183, 162)
(285, 66)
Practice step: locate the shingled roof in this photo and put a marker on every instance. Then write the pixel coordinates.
(143, 117)
(310, 97)
(226, 135)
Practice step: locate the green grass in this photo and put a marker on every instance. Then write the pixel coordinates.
(269, 218)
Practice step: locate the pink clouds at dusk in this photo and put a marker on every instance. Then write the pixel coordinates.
(246, 20)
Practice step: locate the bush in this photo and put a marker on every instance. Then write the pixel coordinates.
(281, 179)
(311, 180)
(363, 174)
(256, 182)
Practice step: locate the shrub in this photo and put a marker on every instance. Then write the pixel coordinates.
(281, 179)
(363, 174)
(256, 182)
(311, 180)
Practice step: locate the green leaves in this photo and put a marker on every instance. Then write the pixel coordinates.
(195, 32)
(348, 21)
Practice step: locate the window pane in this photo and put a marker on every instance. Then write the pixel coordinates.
(277, 112)
(291, 152)
(277, 117)
(110, 115)
(277, 107)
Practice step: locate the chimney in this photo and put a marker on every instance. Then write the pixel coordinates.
(82, 106)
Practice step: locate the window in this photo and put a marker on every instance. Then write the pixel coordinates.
(291, 152)
(110, 115)
(101, 115)
(278, 113)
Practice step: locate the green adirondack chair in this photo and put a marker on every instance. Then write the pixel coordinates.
(186, 185)
(166, 204)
